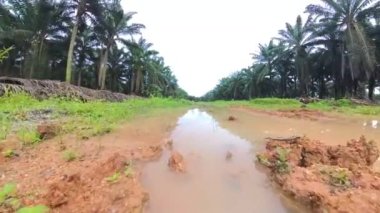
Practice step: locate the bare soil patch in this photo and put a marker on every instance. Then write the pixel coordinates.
(101, 174)
(325, 178)
(306, 114)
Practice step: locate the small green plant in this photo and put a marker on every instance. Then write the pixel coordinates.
(4, 130)
(262, 159)
(113, 178)
(14, 203)
(282, 164)
(7, 191)
(29, 136)
(9, 153)
(34, 209)
(129, 172)
(4, 53)
(337, 176)
(69, 155)
(8, 197)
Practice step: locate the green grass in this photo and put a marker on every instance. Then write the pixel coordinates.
(261, 103)
(34, 209)
(29, 135)
(7, 191)
(9, 199)
(114, 178)
(341, 106)
(85, 119)
(69, 155)
(9, 153)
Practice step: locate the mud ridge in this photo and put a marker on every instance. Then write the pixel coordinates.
(325, 178)
(43, 89)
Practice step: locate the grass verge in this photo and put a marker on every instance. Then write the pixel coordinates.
(20, 113)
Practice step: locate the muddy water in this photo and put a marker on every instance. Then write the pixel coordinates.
(337, 130)
(212, 183)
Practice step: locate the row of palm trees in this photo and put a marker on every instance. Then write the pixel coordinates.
(92, 43)
(334, 53)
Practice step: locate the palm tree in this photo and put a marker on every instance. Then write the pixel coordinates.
(86, 11)
(30, 25)
(85, 52)
(298, 38)
(141, 59)
(348, 17)
(114, 26)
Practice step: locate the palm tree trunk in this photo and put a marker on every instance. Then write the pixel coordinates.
(103, 69)
(69, 65)
(79, 77)
(132, 89)
(138, 82)
(371, 87)
(74, 33)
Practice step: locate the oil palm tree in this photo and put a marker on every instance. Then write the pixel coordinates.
(298, 38)
(29, 25)
(348, 17)
(114, 27)
(141, 60)
(86, 11)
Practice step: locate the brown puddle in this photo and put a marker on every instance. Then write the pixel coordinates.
(221, 175)
(337, 130)
(214, 181)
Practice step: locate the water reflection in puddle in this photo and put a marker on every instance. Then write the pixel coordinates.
(373, 124)
(212, 183)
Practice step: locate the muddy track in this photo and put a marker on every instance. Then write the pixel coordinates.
(146, 163)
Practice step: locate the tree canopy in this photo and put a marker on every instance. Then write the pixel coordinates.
(91, 43)
(335, 52)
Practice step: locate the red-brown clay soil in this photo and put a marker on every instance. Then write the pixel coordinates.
(325, 178)
(176, 162)
(302, 113)
(103, 177)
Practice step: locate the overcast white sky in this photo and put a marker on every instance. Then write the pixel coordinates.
(206, 40)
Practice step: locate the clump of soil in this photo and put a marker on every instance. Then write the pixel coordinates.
(69, 193)
(176, 162)
(231, 118)
(169, 144)
(48, 130)
(326, 178)
(228, 155)
(42, 89)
